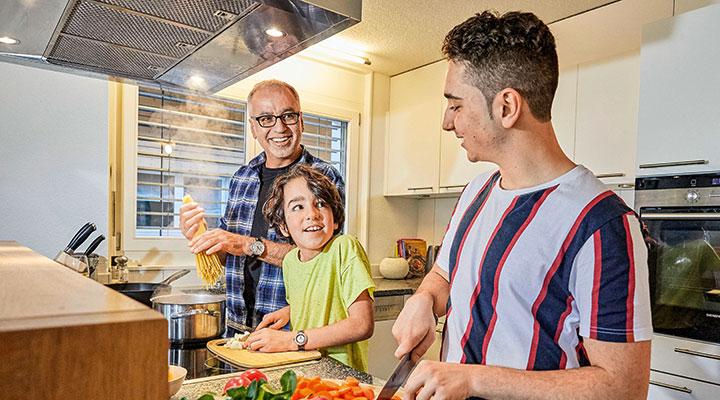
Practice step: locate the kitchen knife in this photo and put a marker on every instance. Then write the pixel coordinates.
(80, 237)
(398, 378)
(94, 244)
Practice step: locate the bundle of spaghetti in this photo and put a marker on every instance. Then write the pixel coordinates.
(209, 267)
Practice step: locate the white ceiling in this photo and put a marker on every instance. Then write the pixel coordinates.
(399, 35)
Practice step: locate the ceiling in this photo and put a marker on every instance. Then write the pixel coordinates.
(399, 35)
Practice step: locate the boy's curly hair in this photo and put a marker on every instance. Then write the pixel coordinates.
(319, 184)
(515, 50)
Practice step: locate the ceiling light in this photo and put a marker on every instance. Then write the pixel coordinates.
(197, 82)
(322, 53)
(339, 49)
(354, 58)
(8, 40)
(274, 32)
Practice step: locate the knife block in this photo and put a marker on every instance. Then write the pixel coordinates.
(76, 262)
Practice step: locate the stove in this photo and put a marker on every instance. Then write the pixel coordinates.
(198, 360)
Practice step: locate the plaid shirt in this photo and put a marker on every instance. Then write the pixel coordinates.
(244, 191)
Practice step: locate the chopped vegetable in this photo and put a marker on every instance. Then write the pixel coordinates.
(318, 389)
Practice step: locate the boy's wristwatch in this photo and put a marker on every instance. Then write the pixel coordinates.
(257, 248)
(300, 340)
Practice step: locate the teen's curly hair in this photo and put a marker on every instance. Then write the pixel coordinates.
(515, 50)
(319, 184)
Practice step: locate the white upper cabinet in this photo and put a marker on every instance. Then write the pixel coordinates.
(606, 124)
(456, 170)
(422, 159)
(564, 108)
(414, 128)
(679, 117)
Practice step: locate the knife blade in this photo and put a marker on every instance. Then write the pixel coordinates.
(80, 237)
(398, 378)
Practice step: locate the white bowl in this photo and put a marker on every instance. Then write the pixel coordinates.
(394, 268)
(176, 377)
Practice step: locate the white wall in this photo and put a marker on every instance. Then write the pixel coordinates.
(53, 157)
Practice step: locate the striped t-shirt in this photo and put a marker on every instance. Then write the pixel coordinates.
(534, 271)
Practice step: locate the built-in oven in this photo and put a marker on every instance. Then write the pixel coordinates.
(681, 221)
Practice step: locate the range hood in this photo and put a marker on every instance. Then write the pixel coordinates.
(200, 45)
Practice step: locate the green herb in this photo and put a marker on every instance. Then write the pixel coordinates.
(260, 390)
(237, 393)
(288, 381)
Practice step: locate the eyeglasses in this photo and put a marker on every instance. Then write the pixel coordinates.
(268, 121)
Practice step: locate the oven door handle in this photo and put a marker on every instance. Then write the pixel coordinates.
(680, 216)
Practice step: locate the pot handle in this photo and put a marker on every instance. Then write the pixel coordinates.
(190, 313)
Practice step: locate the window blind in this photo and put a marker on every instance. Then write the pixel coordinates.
(189, 144)
(186, 145)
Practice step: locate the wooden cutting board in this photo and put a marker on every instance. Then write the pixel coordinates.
(254, 359)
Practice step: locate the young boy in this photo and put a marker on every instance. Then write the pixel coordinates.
(327, 276)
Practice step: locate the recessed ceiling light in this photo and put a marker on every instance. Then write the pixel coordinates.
(8, 40)
(274, 32)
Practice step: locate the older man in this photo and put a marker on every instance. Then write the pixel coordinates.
(251, 249)
(542, 274)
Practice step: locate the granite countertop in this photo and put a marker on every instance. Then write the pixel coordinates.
(326, 368)
(395, 287)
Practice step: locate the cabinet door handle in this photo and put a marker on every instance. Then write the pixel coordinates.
(421, 188)
(611, 175)
(674, 163)
(672, 387)
(626, 185)
(697, 353)
(451, 186)
(676, 216)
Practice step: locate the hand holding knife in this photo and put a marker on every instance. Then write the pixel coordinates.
(398, 377)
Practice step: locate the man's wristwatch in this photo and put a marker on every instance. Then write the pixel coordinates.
(300, 340)
(257, 248)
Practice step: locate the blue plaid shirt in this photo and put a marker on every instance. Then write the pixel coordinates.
(244, 192)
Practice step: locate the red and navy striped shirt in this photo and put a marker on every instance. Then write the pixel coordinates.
(534, 271)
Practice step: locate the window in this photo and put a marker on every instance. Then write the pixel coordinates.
(185, 145)
(326, 138)
(193, 145)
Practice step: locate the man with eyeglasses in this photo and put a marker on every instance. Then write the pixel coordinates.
(252, 251)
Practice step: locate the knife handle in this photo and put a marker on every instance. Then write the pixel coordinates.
(94, 245)
(80, 237)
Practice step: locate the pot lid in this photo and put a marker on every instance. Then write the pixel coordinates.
(189, 298)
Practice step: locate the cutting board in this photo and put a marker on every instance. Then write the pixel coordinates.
(254, 359)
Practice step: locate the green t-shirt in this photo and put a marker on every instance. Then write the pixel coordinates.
(320, 291)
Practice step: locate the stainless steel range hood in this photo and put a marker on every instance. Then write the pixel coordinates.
(203, 45)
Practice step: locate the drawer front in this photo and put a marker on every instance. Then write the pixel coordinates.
(670, 387)
(697, 360)
(388, 307)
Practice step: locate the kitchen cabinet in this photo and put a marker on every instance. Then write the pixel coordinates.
(672, 387)
(422, 159)
(382, 344)
(679, 122)
(564, 109)
(63, 335)
(606, 117)
(688, 359)
(414, 129)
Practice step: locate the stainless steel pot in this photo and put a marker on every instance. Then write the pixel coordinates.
(192, 316)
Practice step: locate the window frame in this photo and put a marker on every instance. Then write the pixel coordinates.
(175, 249)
